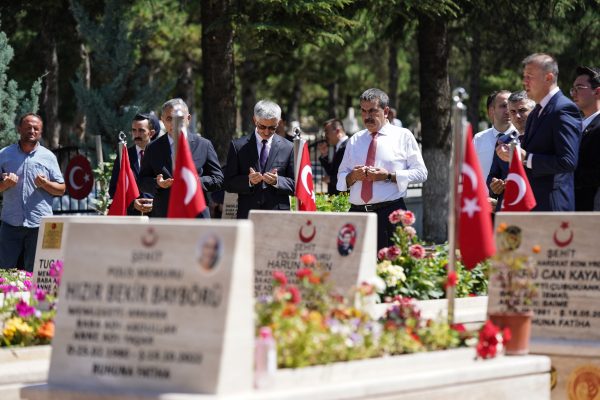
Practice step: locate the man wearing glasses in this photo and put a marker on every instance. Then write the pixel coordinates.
(552, 135)
(586, 94)
(260, 166)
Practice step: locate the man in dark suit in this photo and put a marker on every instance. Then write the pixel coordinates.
(334, 136)
(586, 94)
(552, 135)
(519, 108)
(156, 173)
(260, 166)
(142, 130)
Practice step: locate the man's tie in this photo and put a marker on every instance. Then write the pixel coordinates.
(140, 158)
(366, 192)
(263, 156)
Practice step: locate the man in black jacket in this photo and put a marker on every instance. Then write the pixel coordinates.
(334, 136)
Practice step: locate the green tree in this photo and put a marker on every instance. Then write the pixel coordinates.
(13, 102)
(119, 85)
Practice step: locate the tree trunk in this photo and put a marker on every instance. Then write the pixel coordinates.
(294, 113)
(218, 93)
(393, 73)
(50, 99)
(248, 83)
(79, 124)
(474, 82)
(186, 90)
(332, 99)
(434, 88)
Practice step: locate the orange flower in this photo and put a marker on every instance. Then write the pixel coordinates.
(536, 249)
(308, 259)
(46, 330)
(502, 227)
(289, 310)
(314, 279)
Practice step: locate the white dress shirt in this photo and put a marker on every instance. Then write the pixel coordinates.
(397, 152)
(485, 146)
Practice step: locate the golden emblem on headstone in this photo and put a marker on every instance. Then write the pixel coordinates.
(52, 235)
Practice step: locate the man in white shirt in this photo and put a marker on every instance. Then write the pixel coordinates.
(485, 141)
(379, 163)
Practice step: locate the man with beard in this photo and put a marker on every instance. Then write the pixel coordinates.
(29, 178)
(379, 163)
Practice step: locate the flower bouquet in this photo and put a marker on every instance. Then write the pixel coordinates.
(410, 268)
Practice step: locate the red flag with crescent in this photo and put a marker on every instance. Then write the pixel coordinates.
(305, 192)
(518, 195)
(475, 234)
(127, 190)
(187, 198)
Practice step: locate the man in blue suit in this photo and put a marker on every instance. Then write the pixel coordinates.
(260, 166)
(156, 172)
(552, 135)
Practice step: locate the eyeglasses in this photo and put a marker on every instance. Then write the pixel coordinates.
(577, 88)
(262, 127)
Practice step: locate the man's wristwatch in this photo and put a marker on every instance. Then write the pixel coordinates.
(389, 178)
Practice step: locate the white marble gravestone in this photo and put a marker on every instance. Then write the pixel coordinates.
(51, 244)
(345, 244)
(155, 308)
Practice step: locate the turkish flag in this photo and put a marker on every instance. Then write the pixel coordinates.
(518, 195)
(127, 190)
(304, 181)
(475, 235)
(187, 198)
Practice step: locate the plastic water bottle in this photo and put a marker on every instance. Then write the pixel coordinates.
(265, 358)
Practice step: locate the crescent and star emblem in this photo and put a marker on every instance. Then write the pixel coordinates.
(518, 179)
(307, 170)
(191, 183)
(470, 173)
(563, 243)
(72, 177)
(304, 238)
(150, 238)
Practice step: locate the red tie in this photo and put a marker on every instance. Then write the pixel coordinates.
(366, 192)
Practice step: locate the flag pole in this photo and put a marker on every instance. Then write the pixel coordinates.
(459, 123)
(297, 142)
(178, 126)
(122, 142)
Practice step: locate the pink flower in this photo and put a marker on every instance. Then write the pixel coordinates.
(308, 259)
(27, 283)
(280, 278)
(382, 254)
(393, 252)
(303, 273)
(416, 251)
(28, 274)
(451, 280)
(295, 293)
(410, 231)
(408, 218)
(23, 309)
(40, 294)
(2, 280)
(56, 270)
(395, 217)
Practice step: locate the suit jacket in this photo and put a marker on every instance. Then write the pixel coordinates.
(499, 170)
(114, 178)
(157, 160)
(553, 140)
(242, 156)
(587, 174)
(332, 167)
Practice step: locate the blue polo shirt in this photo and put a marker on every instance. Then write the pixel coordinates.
(25, 204)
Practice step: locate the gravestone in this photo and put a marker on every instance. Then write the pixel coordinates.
(566, 323)
(230, 206)
(51, 244)
(155, 308)
(344, 244)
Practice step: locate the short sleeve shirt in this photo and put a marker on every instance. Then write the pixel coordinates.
(25, 204)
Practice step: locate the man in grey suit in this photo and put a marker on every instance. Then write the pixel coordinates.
(156, 172)
(260, 166)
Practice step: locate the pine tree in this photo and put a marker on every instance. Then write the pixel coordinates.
(13, 102)
(120, 88)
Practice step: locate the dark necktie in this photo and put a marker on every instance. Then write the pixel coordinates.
(366, 192)
(263, 156)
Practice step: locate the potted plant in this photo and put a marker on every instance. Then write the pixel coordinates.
(512, 273)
